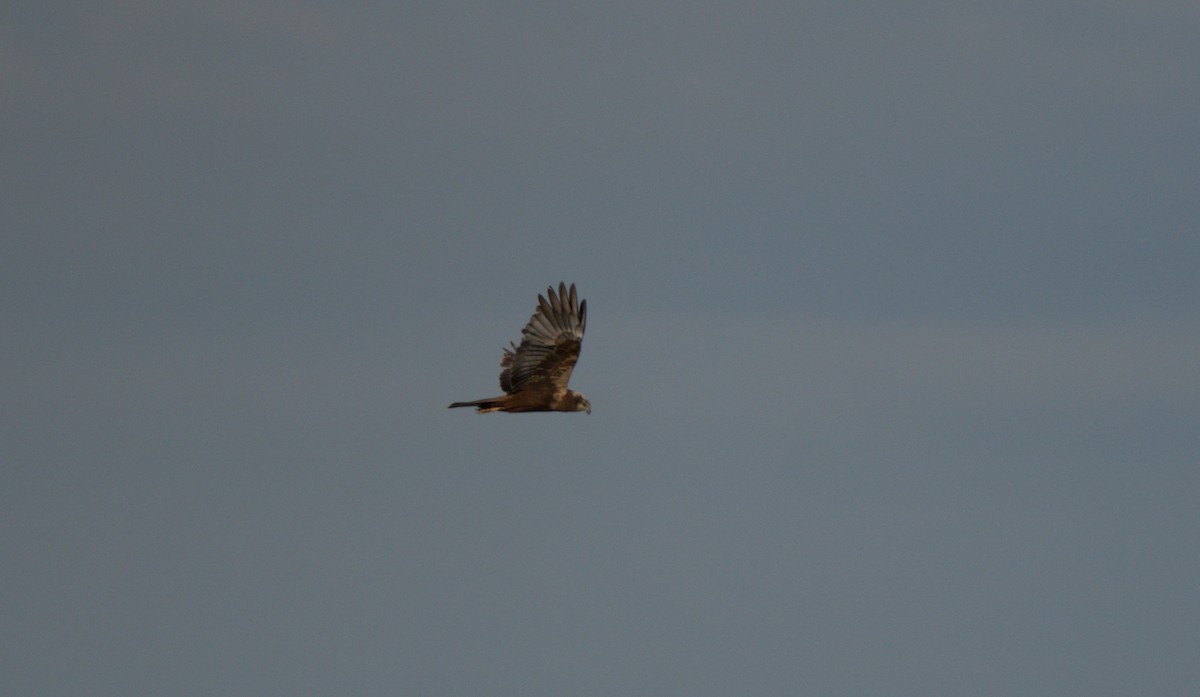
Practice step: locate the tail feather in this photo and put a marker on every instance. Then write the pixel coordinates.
(480, 404)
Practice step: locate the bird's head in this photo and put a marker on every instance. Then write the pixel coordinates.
(582, 403)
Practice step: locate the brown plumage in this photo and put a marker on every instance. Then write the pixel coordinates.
(534, 374)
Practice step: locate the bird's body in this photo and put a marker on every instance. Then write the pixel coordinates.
(534, 373)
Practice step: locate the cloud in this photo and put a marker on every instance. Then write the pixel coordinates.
(135, 57)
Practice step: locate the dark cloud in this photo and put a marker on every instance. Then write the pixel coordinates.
(891, 347)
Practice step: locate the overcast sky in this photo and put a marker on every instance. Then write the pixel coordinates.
(894, 319)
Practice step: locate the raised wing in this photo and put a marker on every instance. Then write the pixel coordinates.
(549, 346)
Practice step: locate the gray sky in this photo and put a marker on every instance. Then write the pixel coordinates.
(892, 348)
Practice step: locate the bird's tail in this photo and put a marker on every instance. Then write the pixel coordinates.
(481, 405)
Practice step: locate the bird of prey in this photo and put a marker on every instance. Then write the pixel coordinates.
(534, 374)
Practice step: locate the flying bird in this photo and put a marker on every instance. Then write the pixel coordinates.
(534, 374)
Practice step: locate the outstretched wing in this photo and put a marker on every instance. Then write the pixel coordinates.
(549, 345)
